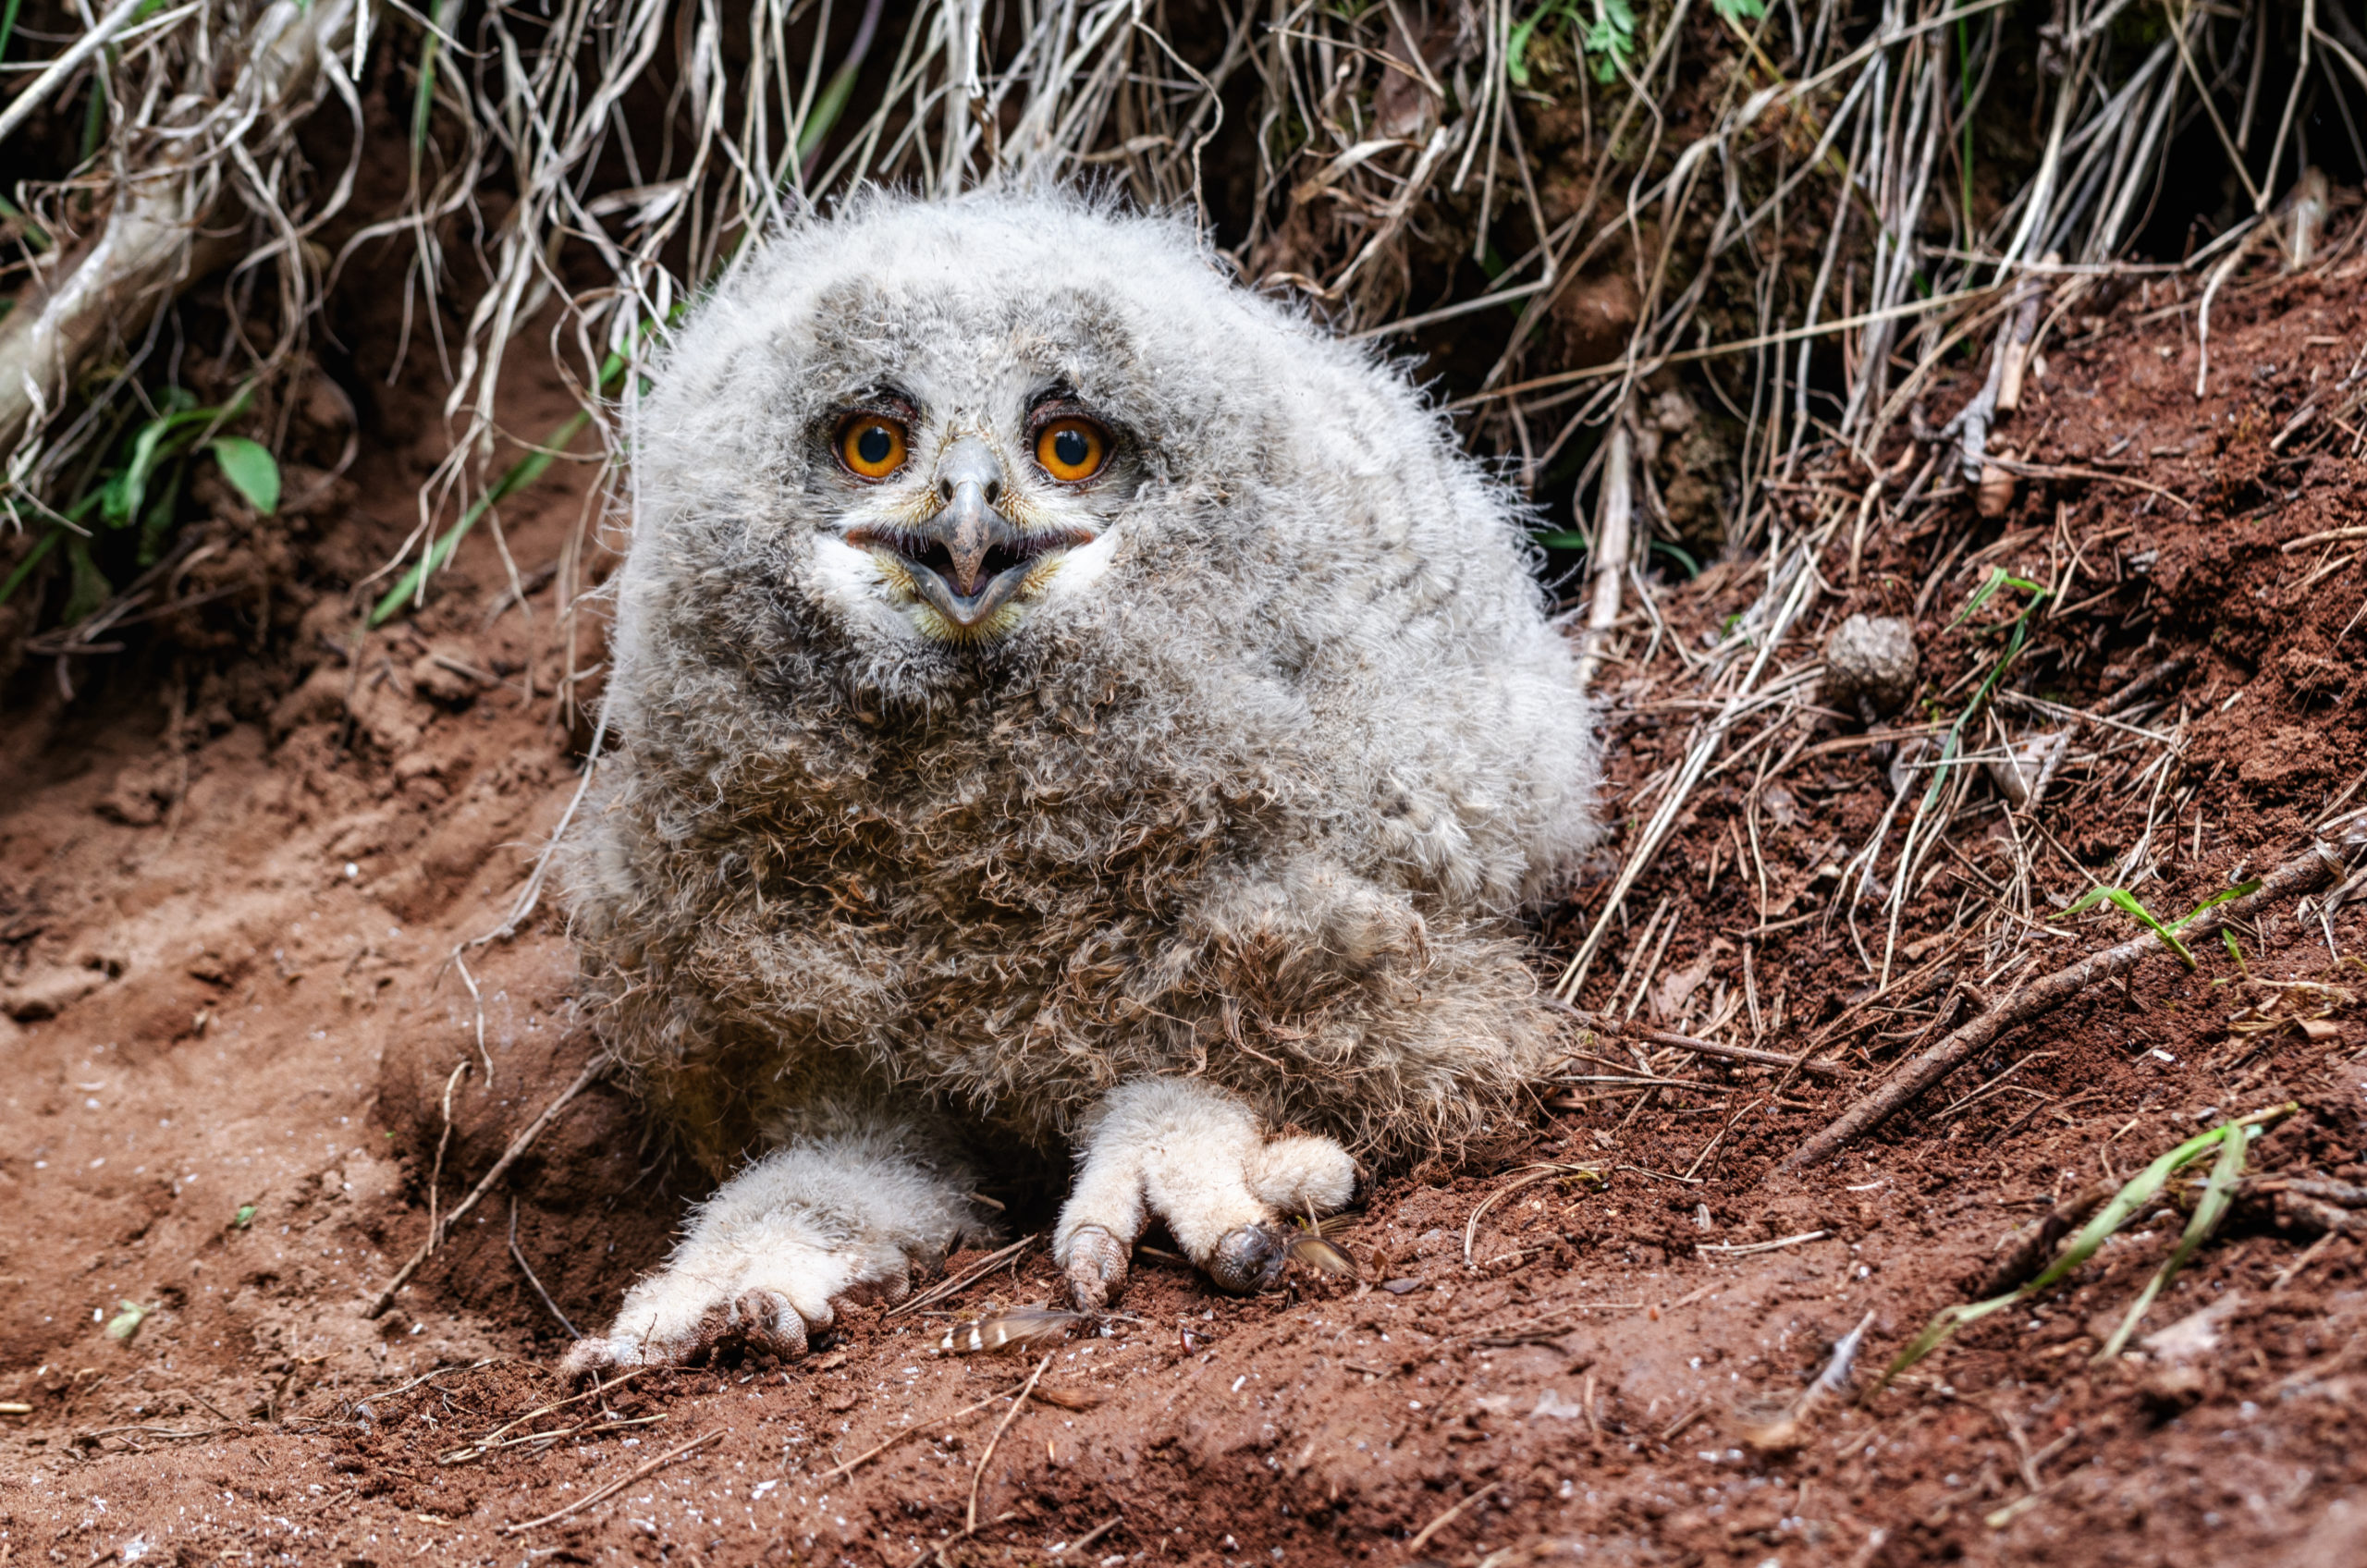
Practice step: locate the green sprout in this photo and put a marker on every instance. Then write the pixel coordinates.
(2126, 901)
(2229, 1141)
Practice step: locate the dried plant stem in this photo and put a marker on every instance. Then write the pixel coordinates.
(156, 243)
(1605, 1024)
(915, 1429)
(580, 1504)
(1612, 549)
(2300, 875)
(518, 1145)
(978, 1476)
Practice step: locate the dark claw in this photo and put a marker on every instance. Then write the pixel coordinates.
(1250, 1259)
(768, 1324)
(1097, 1268)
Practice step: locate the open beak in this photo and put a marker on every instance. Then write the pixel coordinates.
(967, 560)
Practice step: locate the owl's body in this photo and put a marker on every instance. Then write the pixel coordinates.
(969, 797)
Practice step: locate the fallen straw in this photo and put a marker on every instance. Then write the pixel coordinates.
(915, 1430)
(978, 1476)
(518, 1145)
(1605, 1024)
(2304, 873)
(580, 1504)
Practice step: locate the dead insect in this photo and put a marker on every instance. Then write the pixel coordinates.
(1322, 1254)
(1015, 1328)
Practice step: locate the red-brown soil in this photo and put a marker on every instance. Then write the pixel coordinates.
(238, 1017)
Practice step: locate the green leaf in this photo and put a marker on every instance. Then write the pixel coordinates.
(244, 1218)
(2241, 890)
(41, 547)
(1611, 38)
(125, 1323)
(1564, 540)
(1516, 41)
(1739, 10)
(2217, 1193)
(2126, 901)
(250, 468)
(2133, 1197)
(1683, 557)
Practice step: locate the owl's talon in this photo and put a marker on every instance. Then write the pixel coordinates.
(1198, 1158)
(1097, 1268)
(1248, 1259)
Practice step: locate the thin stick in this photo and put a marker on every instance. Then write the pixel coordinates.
(1611, 551)
(22, 106)
(939, 1291)
(1713, 1249)
(978, 1476)
(454, 1456)
(915, 1429)
(2303, 874)
(518, 1145)
(622, 1482)
(1422, 1537)
(527, 1270)
(1091, 1536)
(1607, 1025)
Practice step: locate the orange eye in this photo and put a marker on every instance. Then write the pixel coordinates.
(872, 446)
(1071, 449)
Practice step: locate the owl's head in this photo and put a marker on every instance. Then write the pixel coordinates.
(914, 439)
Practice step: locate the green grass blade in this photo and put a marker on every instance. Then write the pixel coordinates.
(2241, 890)
(2135, 1194)
(1942, 1327)
(2126, 901)
(2217, 1193)
(521, 473)
(24, 568)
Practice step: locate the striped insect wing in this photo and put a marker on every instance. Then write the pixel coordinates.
(1323, 1254)
(1015, 1328)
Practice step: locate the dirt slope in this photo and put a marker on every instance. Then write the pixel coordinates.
(235, 1024)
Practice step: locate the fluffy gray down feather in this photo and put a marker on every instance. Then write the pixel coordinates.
(1259, 798)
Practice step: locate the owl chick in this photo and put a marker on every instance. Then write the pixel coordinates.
(1067, 702)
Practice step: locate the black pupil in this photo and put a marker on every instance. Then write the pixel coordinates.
(1069, 448)
(874, 445)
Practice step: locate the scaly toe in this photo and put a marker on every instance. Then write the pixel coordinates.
(1097, 1268)
(1248, 1259)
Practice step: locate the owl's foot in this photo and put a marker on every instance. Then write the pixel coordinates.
(766, 1261)
(1194, 1156)
(768, 1302)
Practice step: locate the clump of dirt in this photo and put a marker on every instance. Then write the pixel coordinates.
(251, 1050)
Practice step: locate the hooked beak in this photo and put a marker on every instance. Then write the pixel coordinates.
(968, 560)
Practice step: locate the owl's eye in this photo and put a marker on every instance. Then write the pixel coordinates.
(1071, 449)
(872, 446)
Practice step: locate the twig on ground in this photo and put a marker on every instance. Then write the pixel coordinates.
(518, 1145)
(945, 1288)
(1743, 1249)
(580, 1504)
(2300, 875)
(471, 1449)
(1091, 1536)
(527, 1270)
(1422, 1536)
(1612, 547)
(1608, 1024)
(978, 1476)
(915, 1429)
